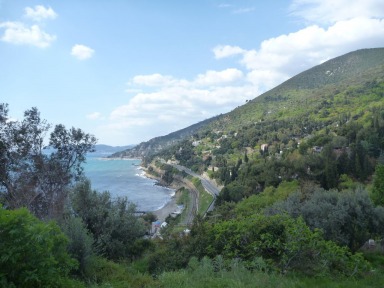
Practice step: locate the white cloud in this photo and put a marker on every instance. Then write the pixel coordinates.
(331, 11)
(292, 53)
(282, 57)
(19, 34)
(223, 51)
(39, 13)
(82, 52)
(266, 79)
(174, 108)
(154, 80)
(177, 103)
(219, 77)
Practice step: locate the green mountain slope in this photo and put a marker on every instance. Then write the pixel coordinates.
(306, 92)
(326, 131)
(301, 168)
(314, 97)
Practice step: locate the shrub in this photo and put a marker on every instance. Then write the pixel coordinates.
(114, 225)
(347, 218)
(80, 243)
(288, 242)
(32, 253)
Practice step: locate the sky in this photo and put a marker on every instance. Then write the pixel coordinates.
(130, 70)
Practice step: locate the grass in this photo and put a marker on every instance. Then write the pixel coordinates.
(205, 199)
(209, 273)
(184, 199)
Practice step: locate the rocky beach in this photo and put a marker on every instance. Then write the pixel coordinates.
(171, 206)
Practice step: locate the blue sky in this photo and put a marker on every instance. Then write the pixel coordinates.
(128, 71)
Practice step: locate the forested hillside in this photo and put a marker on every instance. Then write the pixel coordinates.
(327, 131)
(307, 158)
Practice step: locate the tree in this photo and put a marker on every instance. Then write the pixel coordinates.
(31, 177)
(347, 218)
(80, 244)
(116, 229)
(378, 185)
(330, 168)
(284, 241)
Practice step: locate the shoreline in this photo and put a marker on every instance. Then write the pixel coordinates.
(120, 158)
(171, 206)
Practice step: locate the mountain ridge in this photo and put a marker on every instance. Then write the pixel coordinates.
(304, 93)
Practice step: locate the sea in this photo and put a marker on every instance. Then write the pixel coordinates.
(125, 178)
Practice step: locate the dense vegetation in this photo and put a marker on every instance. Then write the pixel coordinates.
(304, 152)
(302, 169)
(53, 227)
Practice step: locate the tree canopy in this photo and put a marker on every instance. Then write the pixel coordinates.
(30, 175)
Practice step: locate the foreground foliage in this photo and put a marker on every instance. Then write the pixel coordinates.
(348, 218)
(32, 253)
(116, 230)
(218, 272)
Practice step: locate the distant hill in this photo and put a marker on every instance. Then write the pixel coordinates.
(306, 92)
(102, 150)
(156, 144)
(307, 97)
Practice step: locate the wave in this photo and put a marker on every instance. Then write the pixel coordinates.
(162, 206)
(142, 175)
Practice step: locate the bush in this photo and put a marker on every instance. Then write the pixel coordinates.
(218, 272)
(286, 242)
(80, 243)
(110, 274)
(114, 225)
(347, 218)
(32, 253)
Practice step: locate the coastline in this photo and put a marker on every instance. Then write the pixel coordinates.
(166, 210)
(171, 206)
(120, 158)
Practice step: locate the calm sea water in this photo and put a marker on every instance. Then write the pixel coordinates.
(124, 178)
